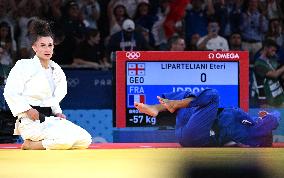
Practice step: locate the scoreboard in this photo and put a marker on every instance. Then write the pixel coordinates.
(142, 76)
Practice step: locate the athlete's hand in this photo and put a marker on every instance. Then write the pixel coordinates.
(32, 114)
(62, 116)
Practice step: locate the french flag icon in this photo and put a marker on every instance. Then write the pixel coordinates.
(139, 98)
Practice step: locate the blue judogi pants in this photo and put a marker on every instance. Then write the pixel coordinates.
(193, 123)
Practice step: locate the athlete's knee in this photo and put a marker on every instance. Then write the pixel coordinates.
(87, 138)
(83, 142)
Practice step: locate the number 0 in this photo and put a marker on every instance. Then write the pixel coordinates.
(203, 77)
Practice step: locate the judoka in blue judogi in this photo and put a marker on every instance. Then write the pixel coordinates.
(201, 123)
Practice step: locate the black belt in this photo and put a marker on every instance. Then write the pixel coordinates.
(43, 112)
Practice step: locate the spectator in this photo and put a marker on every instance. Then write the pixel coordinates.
(158, 29)
(5, 67)
(192, 46)
(127, 39)
(131, 6)
(275, 32)
(7, 14)
(30, 8)
(26, 10)
(26, 50)
(196, 19)
(7, 44)
(91, 13)
(272, 9)
(235, 42)
(91, 53)
(117, 13)
(228, 13)
(5, 59)
(176, 43)
(269, 72)
(176, 14)
(64, 47)
(145, 32)
(143, 18)
(103, 22)
(54, 11)
(253, 27)
(212, 41)
(73, 22)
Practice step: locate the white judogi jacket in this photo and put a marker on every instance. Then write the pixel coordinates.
(27, 85)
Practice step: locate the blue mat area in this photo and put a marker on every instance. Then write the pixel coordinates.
(97, 122)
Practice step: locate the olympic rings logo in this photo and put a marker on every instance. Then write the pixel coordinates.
(133, 55)
(73, 82)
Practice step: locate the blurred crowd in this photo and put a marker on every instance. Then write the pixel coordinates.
(88, 32)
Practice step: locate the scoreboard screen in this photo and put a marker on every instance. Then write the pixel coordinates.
(143, 79)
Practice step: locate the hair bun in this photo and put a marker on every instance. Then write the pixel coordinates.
(40, 28)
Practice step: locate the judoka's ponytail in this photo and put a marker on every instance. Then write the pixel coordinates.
(40, 28)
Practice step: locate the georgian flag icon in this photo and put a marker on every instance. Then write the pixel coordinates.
(136, 69)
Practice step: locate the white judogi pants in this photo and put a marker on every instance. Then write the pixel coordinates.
(55, 133)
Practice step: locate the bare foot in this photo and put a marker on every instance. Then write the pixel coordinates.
(32, 145)
(26, 145)
(168, 104)
(147, 109)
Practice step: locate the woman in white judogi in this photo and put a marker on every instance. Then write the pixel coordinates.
(35, 87)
